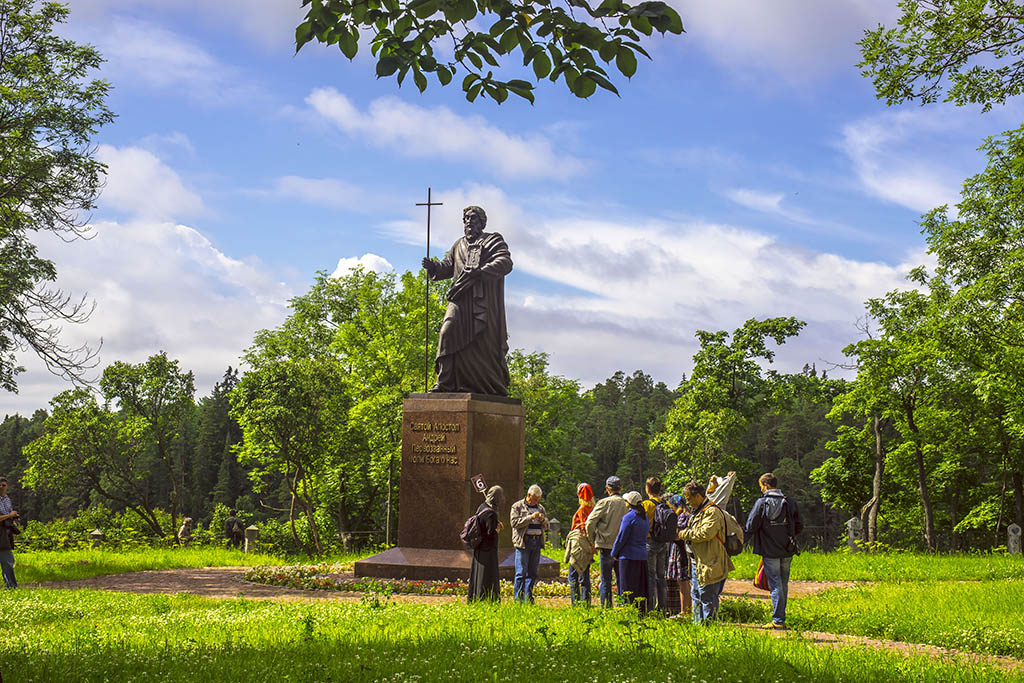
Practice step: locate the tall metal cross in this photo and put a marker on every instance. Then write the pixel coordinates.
(426, 326)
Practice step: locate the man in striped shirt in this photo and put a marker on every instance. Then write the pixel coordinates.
(529, 522)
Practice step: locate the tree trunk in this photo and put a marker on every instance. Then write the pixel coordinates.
(291, 520)
(870, 511)
(387, 517)
(954, 506)
(922, 482)
(1018, 496)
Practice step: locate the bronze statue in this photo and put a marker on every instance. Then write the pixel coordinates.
(474, 339)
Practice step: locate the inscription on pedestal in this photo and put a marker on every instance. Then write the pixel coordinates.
(434, 447)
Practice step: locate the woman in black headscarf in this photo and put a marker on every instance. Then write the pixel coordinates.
(483, 572)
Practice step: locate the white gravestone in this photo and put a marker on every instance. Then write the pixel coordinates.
(1013, 539)
(554, 533)
(855, 534)
(251, 534)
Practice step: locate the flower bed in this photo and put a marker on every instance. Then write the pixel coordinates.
(329, 577)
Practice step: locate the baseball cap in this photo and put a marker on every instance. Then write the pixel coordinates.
(633, 498)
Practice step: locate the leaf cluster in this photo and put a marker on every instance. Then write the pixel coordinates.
(565, 41)
(49, 179)
(963, 51)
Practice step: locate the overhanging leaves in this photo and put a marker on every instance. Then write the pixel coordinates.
(555, 41)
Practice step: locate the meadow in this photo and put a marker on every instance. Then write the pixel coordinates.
(973, 603)
(91, 635)
(973, 616)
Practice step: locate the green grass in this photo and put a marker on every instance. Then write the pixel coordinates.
(978, 617)
(973, 616)
(68, 565)
(69, 636)
(891, 567)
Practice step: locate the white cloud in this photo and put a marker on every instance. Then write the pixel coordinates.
(914, 158)
(439, 132)
(795, 39)
(371, 262)
(140, 184)
(770, 202)
(165, 61)
(648, 286)
(157, 286)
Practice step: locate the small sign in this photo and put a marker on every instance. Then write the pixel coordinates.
(478, 483)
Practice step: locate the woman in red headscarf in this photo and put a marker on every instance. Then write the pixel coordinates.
(579, 550)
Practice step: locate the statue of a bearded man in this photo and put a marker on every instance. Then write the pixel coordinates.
(474, 339)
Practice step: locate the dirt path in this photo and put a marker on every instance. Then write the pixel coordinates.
(226, 582)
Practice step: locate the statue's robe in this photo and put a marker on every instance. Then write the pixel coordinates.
(474, 338)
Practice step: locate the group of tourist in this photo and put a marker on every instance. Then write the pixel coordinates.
(660, 551)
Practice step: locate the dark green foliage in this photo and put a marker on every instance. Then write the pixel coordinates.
(556, 41)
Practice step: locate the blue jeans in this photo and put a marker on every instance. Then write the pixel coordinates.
(608, 568)
(527, 563)
(776, 570)
(705, 598)
(657, 583)
(7, 568)
(579, 585)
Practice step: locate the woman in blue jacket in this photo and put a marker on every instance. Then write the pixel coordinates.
(630, 549)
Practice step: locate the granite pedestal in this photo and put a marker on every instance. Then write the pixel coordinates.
(446, 440)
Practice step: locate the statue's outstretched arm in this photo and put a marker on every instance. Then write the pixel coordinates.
(444, 268)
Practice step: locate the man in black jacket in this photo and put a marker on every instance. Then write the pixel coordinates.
(772, 527)
(234, 529)
(8, 516)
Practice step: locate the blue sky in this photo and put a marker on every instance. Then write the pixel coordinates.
(746, 171)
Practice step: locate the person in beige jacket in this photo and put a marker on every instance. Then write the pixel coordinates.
(705, 537)
(529, 521)
(602, 528)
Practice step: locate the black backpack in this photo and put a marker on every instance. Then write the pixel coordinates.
(663, 528)
(471, 534)
(780, 517)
